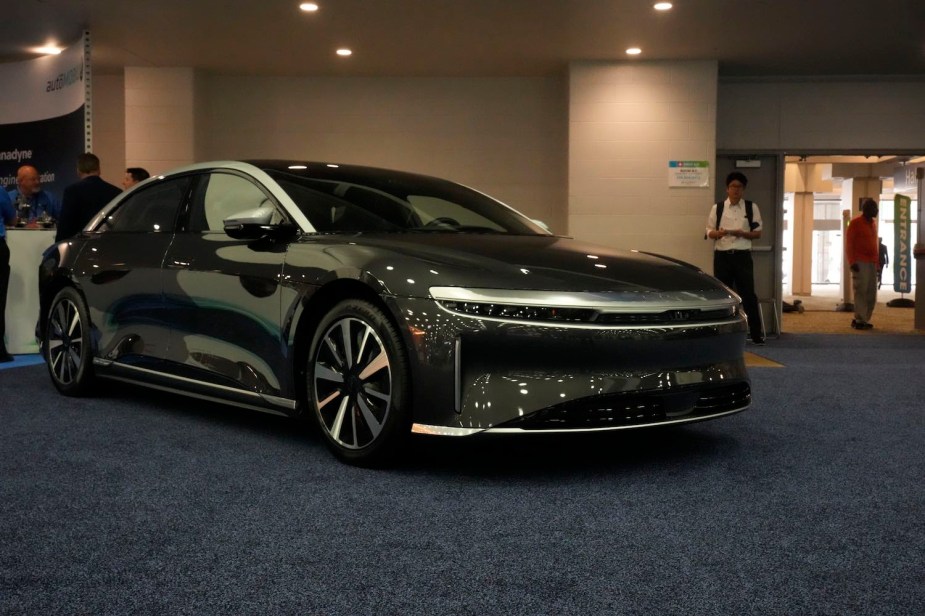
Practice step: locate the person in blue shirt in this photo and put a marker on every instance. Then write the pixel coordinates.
(7, 217)
(29, 191)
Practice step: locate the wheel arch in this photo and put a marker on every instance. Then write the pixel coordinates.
(313, 311)
(50, 288)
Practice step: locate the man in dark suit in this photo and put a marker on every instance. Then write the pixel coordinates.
(83, 199)
(7, 217)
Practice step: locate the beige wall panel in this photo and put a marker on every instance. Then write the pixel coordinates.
(618, 163)
(614, 150)
(698, 149)
(630, 112)
(628, 131)
(509, 134)
(159, 124)
(591, 169)
(160, 117)
(109, 126)
(159, 150)
(597, 77)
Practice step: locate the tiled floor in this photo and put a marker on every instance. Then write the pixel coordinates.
(821, 317)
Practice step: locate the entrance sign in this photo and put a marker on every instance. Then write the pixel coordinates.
(688, 173)
(902, 244)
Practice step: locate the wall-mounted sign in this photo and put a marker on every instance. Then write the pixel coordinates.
(904, 177)
(688, 173)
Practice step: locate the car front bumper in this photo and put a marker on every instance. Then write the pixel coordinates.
(491, 375)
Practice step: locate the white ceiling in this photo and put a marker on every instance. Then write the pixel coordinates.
(750, 38)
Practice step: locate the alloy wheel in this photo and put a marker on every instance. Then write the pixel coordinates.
(67, 343)
(352, 381)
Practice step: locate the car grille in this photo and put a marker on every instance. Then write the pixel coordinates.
(587, 315)
(668, 316)
(638, 408)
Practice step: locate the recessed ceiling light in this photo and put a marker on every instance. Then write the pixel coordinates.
(343, 51)
(308, 7)
(48, 50)
(294, 167)
(633, 51)
(662, 6)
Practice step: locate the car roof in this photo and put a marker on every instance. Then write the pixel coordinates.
(341, 171)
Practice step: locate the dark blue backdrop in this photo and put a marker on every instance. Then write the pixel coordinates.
(55, 144)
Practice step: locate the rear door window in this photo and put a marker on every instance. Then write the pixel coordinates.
(152, 209)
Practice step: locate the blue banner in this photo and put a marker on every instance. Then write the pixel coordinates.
(43, 119)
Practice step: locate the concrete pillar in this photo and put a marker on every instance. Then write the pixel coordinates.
(627, 121)
(803, 180)
(159, 118)
(803, 215)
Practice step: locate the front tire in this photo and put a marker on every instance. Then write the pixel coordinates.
(67, 344)
(359, 384)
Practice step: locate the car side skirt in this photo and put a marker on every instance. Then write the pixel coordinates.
(202, 390)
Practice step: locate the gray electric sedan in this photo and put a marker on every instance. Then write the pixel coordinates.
(381, 303)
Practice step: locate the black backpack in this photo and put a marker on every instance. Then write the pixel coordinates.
(749, 214)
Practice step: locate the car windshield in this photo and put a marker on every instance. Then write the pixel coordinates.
(402, 203)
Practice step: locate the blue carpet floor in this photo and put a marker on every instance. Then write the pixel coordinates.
(811, 502)
(20, 361)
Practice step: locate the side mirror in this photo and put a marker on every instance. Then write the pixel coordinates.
(541, 225)
(250, 224)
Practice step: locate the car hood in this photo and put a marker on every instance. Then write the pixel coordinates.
(410, 264)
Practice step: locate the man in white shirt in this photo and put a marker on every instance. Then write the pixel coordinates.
(738, 225)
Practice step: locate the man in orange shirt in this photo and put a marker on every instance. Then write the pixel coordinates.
(862, 252)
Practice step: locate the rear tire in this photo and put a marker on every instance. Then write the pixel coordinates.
(67, 344)
(359, 384)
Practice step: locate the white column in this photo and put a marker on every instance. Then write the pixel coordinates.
(159, 118)
(803, 216)
(627, 120)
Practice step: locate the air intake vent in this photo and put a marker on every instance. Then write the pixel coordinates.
(638, 409)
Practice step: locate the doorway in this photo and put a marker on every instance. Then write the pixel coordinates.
(765, 174)
(833, 186)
